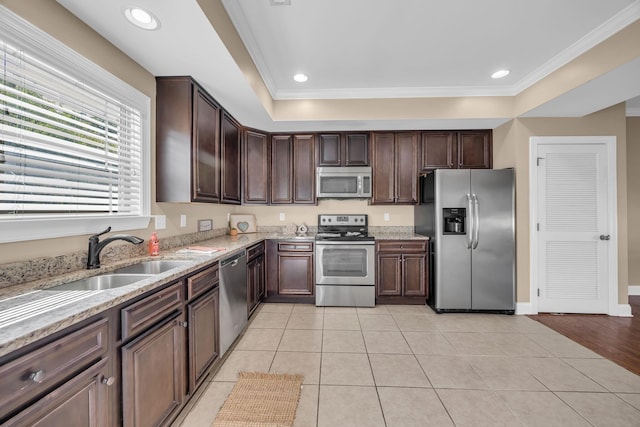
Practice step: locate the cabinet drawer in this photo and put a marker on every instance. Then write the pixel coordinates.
(203, 281)
(255, 250)
(404, 246)
(145, 313)
(39, 370)
(295, 246)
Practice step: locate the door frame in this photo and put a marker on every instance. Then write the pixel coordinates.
(614, 309)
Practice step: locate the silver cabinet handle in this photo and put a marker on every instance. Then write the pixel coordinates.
(38, 376)
(605, 237)
(108, 381)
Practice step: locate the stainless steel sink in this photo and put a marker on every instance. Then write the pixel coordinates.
(152, 267)
(102, 282)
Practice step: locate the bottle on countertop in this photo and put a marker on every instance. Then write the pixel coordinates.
(154, 245)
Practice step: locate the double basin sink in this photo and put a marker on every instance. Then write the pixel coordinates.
(123, 276)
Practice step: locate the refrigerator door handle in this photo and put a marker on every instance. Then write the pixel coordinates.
(476, 222)
(469, 221)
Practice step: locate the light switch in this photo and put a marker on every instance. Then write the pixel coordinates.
(183, 220)
(161, 222)
(281, 216)
(386, 216)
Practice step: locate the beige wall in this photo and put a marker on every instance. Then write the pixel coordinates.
(633, 198)
(512, 149)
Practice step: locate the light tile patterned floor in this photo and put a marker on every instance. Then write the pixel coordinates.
(407, 366)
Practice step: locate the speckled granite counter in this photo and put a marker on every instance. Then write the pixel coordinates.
(15, 335)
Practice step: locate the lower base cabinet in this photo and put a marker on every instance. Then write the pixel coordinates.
(204, 336)
(153, 375)
(82, 401)
(290, 273)
(402, 271)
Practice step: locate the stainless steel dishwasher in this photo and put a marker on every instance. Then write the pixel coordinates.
(233, 298)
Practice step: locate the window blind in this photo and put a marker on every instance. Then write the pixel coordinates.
(65, 146)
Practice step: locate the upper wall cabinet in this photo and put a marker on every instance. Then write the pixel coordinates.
(255, 167)
(343, 149)
(456, 150)
(187, 142)
(293, 169)
(395, 168)
(230, 156)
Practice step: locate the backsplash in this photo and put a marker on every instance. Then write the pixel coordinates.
(27, 271)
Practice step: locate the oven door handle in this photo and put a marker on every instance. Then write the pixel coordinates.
(344, 242)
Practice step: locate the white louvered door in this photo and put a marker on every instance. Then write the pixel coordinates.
(573, 239)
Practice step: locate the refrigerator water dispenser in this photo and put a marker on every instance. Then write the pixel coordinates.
(454, 220)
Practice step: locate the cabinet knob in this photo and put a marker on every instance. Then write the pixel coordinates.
(108, 381)
(38, 376)
(183, 324)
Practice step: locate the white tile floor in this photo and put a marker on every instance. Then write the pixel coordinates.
(407, 366)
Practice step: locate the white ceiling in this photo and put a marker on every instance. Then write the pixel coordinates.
(377, 49)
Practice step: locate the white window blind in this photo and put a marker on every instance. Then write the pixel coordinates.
(72, 136)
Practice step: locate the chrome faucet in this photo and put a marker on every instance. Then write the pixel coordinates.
(96, 246)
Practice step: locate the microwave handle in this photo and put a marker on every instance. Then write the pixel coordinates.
(359, 184)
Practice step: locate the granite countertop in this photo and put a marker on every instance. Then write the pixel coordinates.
(19, 333)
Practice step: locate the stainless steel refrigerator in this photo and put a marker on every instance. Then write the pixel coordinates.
(469, 216)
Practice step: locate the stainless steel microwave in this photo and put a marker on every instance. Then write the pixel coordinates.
(343, 182)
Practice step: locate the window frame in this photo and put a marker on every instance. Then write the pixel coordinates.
(24, 35)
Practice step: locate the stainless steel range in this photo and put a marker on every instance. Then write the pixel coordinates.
(345, 262)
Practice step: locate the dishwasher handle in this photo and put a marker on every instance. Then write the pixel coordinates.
(232, 261)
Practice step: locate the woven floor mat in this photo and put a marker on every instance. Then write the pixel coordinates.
(261, 400)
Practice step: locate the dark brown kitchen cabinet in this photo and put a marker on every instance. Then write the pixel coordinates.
(290, 273)
(394, 168)
(456, 150)
(187, 142)
(153, 375)
(255, 166)
(402, 270)
(230, 160)
(293, 169)
(82, 401)
(343, 149)
(255, 276)
(64, 380)
(203, 326)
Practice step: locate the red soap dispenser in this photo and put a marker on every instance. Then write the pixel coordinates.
(154, 245)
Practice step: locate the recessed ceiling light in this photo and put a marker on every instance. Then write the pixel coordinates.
(500, 74)
(141, 18)
(280, 2)
(301, 78)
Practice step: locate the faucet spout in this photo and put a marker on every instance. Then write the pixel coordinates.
(96, 246)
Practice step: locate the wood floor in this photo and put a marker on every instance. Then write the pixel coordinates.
(615, 338)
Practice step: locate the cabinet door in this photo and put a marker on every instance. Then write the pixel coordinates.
(82, 401)
(439, 151)
(474, 150)
(356, 149)
(252, 285)
(206, 149)
(204, 336)
(230, 165)
(329, 150)
(295, 273)
(406, 165)
(389, 275)
(415, 275)
(383, 173)
(304, 172)
(281, 169)
(256, 168)
(153, 376)
(260, 278)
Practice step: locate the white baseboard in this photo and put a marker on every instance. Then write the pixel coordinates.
(524, 308)
(622, 310)
(634, 290)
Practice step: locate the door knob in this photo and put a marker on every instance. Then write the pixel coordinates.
(605, 237)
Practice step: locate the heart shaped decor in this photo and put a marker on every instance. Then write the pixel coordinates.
(243, 226)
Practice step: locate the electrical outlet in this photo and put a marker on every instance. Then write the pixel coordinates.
(205, 224)
(183, 220)
(281, 216)
(161, 222)
(386, 216)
